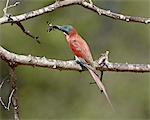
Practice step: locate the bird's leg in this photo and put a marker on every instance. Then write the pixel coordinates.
(78, 61)
(101, 77)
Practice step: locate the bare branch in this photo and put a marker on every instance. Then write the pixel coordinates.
(14, 95)
(1, 101)
(3, 104)
(9, 99)
(17, 23)
(16, 59)
(41, 11)
(1, 84)
(6, 7)
(10, 6)
(27, 32)
(83, 3)
(113, 15)
(14, 5)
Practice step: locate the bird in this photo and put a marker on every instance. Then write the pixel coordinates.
(82, 53)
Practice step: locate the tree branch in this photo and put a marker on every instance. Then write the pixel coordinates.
(19, 24)
(7, 107)
(14, 95)
(27, 32)
(113, 15)
(64, 3)
(15, 59)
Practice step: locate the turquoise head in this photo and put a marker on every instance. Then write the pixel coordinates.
(67, 29)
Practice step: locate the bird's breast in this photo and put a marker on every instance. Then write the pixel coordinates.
(80, 48)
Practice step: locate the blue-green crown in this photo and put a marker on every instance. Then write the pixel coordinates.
(67, 28)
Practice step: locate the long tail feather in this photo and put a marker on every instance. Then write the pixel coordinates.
(96, 78)
(99, 84)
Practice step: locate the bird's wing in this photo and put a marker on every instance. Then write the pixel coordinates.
(81, 50)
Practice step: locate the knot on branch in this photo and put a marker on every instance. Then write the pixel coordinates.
(103, 60)
(12, 64)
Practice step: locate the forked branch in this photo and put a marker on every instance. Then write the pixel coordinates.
(14, 95)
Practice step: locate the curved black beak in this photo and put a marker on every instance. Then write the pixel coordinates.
(52, 27)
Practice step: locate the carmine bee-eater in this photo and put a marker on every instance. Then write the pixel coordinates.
(82, 53)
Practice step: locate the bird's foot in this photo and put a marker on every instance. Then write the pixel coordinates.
(77, 60)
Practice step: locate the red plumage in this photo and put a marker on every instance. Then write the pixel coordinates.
(79, 47)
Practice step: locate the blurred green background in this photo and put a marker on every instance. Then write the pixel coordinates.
(53, 94)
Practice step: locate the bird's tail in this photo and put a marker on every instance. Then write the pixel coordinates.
(99, 83)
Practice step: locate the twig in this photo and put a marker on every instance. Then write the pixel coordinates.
(27, 32)
(1, 84)
(14, 95)
(10, 6)
(83, 3)
(14, 5)
(68, 65)
(6, 7)
(18, 22)
(3, 104)
(9, 99)
(1, 101)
